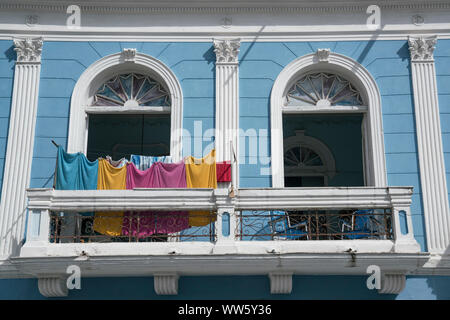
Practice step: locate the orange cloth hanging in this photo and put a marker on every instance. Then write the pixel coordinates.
(109, 177)
(201, 173)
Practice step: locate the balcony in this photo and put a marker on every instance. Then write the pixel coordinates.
(287, 231)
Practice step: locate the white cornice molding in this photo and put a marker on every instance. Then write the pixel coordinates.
(206, 7)
(28, 50)
(422, 48)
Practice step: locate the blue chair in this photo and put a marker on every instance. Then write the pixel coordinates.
(283, 229)
(361, 225)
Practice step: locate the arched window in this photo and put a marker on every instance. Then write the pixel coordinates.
(307, 161)
(336, 101)
(130, 114)
(126, 103)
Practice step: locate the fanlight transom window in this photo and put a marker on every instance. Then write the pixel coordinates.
(323, 89)
(302, 157)
(132, 90)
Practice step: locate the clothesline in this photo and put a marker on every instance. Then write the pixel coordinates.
(76, 172)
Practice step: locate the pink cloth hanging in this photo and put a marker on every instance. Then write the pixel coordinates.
(146, 223)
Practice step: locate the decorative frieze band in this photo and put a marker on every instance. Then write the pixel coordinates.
(429, 144)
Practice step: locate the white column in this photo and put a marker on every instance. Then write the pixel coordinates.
(227, 103)
(19, 152)
(429, 140)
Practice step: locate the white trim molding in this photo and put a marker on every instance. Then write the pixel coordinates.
(123, 62)
(429, 144)
(227, 103)
(19, 152)
(373, 146)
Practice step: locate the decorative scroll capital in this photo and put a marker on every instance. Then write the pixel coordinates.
(322, 55)
(422, 48)
(28, 50)
(227, 50)
(129, 55)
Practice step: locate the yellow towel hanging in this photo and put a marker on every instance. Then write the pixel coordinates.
(109, 177)
(201, 173)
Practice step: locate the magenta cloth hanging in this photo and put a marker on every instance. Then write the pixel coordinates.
(146, 223)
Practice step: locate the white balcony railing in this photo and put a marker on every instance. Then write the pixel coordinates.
(312, 210)
(315, 244)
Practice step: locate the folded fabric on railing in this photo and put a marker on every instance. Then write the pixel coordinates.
(75, 172)
(223, 171)
(145, 162)
(110, 178)
(146, 223)
(201, 173)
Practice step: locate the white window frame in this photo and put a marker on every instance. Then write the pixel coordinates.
(373, 137)
(104, 69)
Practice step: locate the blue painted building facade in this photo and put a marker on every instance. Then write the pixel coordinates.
(260, 64)
(190, 53)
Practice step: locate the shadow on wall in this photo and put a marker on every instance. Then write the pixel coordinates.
(440, 286)
(10, 54)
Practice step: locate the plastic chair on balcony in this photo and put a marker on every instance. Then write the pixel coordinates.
(358, 225)
(283, 228)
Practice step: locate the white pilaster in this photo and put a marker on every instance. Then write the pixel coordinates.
(19, 152)
(429, 141)
(227, 102)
